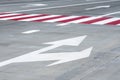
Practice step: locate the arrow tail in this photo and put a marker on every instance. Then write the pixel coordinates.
(4, 63)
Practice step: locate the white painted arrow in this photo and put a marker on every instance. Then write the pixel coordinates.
(61, 57)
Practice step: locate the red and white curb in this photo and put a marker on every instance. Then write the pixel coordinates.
(64, 19)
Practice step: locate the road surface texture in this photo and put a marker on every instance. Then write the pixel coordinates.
(19, 37)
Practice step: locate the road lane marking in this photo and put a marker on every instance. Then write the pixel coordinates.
(63, 24)
(30, 31)
(33, 5)
(98, 7)
(64, 6)
(27, 4)
(108, 14)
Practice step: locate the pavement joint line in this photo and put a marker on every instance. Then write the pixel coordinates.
(64, 6)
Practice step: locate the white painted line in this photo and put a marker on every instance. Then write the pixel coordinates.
(106, 21)
(37, 18)
(34, 5)
(117, 12)
(63, 24)
(64, 18)
(65, 6)
(98, 7)
(30, 31)
(19, 16)
(18, 4)
(39, 4)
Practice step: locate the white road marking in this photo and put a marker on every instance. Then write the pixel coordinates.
(30, 31)
(65, 6)
(18, 4)
(63, 24)
(34, 5)
(108, 14)
(60, 57)
(98, 7)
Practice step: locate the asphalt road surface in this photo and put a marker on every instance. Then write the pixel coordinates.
(99, 41)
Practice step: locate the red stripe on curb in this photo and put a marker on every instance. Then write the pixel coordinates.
(12, 16)
(95, 20)
(69, 20)
(22, 18)
(114, 22)
(40, 20)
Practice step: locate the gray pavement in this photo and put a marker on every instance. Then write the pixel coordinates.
(103, 62)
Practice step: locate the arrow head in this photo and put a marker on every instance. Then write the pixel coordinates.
(70, 42)
(73, 56)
